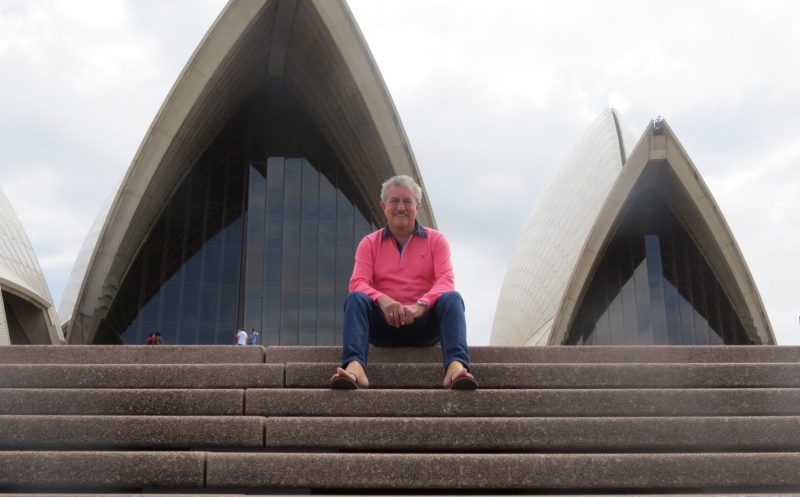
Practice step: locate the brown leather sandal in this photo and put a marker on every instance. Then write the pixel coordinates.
(345, 380)
(462, 380)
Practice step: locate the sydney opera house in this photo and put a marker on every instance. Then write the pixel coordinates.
(259, 174)
(627, 247)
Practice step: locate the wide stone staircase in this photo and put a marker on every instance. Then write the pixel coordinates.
(80, 420)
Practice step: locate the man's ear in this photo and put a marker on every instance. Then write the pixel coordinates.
(383, 205)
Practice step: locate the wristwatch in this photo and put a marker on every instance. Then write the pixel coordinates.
(422, 303)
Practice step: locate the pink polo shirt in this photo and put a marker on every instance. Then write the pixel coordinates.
(422, 271)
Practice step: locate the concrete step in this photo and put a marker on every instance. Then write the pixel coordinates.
(417, 494)
(141, 375)
(232, 354)
(646, 472)
(129, 432)
(524, 403)
(661, 434)
(101, 470)
(580, 375)
(183, 402)
(524, 434)
(554, 354)
(403, 375)
(504, 471)
(131, 354)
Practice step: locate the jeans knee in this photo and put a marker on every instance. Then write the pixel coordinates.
(451, 298)
(357, 299)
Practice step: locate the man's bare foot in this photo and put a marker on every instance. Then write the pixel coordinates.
(352, 377)
(458, 377)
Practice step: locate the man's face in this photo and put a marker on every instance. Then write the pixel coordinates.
(400, 208)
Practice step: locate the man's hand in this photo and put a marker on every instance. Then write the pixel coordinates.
(393, 311)
(414, 311)
(397, 314)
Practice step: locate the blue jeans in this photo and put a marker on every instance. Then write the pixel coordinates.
(444, 322)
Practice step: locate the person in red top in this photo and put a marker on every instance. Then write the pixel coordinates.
(402, 293)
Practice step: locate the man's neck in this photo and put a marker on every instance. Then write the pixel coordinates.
(401, 237)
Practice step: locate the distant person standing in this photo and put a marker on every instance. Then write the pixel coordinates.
(159, 338)
(241, 337)
(151, 339)
(253, 338)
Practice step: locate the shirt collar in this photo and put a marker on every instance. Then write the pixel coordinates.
(419, 230)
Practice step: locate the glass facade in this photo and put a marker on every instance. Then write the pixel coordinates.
(260, 234)
(301, 238)
(654, 287)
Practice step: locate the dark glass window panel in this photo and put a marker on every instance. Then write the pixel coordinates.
(362, 226)
(291, 239)
(327, 199)
(307, 337)
(327, 241)
(308, 310)
(190, 304)
(274, 268)
(291, 272)
(272, 315)
(227, 308)
(206, 335)
(208, 305)
(310, 180)
(291, 204)
(326, 280)
(149, 315)
(275, 169)
(255, 246)
(212, 265)
(344, 222)
(134, 334)
(170, 299)
(192, 270)
(230, 266)
(274, 232)
(293, 175)
(326, 336)
(653, 273)
(271, 336)
(308, 263)
(310, 209)
(326, 309)
(290, 320)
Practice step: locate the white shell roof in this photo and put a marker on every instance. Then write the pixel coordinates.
(555, 233)
(70, 296)
(19, 267)
(20, 271)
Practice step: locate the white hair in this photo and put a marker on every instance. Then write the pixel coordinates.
(401, 180)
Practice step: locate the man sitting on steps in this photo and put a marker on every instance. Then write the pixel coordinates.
(402, 293)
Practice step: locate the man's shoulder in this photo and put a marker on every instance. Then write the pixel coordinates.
(434, 234)
(373, 237)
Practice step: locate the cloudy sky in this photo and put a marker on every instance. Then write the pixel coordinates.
(492, 96)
